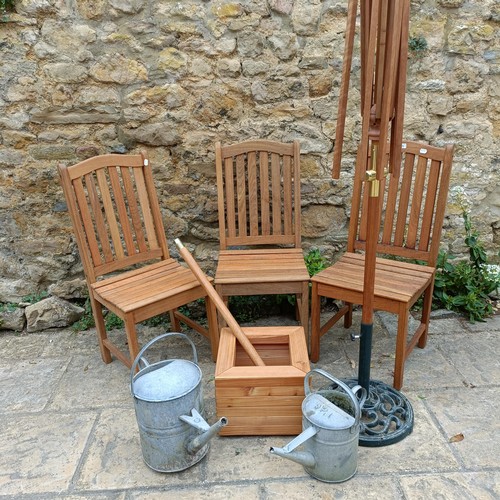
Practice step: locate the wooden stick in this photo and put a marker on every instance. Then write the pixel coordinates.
(344, 87)
(219, 304)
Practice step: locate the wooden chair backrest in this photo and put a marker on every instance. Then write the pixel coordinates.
(413, 206)
(114, 208)
(258, 189)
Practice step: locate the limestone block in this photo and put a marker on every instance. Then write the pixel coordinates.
(306, 16)
(128, 6)
(154, 134)
(281, 6)
(71, 289)
(171, 59)
(250, 43)
(10, 158)
(52, 312)
(318, 220)
(66, 72)
(118, 69)
(12, 319)
(452, 4)
(284, 45)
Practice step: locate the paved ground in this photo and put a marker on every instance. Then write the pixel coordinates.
(69, 430)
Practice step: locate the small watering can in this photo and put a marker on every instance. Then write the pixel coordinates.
(168, 404)
(329, 434)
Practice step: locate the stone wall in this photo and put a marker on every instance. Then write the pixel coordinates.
(86, 77)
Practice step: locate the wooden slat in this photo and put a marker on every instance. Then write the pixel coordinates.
(122, 211)
(147, 216)
(287, 195)
(297, 219)
(91, 164)
(109, 211)
(264, 193)
(253, 206)
(230, 205)
(276, 193)
(241, 195)
(257, 145)
(154, 207)
(116, 265)
(390, 209)
(430, 202)
(219, 167)
(404, 200)
(133, 209)
(416, 202)
(88, 224)
(100, 226)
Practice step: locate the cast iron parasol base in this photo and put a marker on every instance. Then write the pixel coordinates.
(386, 416)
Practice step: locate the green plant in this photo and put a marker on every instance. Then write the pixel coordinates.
(33, 298)
(417, 44)
(8, 307)
(465, 286)
(315, 262)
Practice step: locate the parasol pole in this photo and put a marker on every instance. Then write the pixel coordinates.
(384, 49)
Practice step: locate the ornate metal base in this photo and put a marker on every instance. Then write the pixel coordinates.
(386, 417)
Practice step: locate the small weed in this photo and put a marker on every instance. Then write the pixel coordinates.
(8, 307)
(33, 298)
(417, 44)
(315, 262)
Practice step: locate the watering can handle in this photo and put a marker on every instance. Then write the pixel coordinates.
(351, 392)
(140, 357)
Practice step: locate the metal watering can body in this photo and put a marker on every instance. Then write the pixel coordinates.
(330, 435)
(168, 403)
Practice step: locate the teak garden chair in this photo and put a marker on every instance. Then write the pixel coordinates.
(120, 235)
(412, 216)
(258, 189)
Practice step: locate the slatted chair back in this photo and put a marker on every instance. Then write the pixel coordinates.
(258, 185)
(413, 207)
(115, 212)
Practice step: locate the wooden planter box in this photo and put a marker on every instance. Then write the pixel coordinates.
(262, 400)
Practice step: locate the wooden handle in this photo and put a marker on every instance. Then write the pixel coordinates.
(219, 304)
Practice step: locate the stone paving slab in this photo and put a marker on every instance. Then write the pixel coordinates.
(463, 485)
(69, 427)
(41, 453)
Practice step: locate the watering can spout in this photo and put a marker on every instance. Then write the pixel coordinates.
(304, 458)
(196, 420)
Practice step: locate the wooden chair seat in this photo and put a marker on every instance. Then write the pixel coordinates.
(134, 291)
(258, 266)
(396, 281)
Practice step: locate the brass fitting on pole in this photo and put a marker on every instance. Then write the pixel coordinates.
(371, 175)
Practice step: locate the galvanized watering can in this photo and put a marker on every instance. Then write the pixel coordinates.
(329, 433)
(168, 404)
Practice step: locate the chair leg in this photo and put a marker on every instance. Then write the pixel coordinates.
(133, 345)
(101, 329)
(225, 299)
(426, 315)
(213, 327)
(315, 322)
(175, 324)
(399, 363)
(304, 309)
(348, 316)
